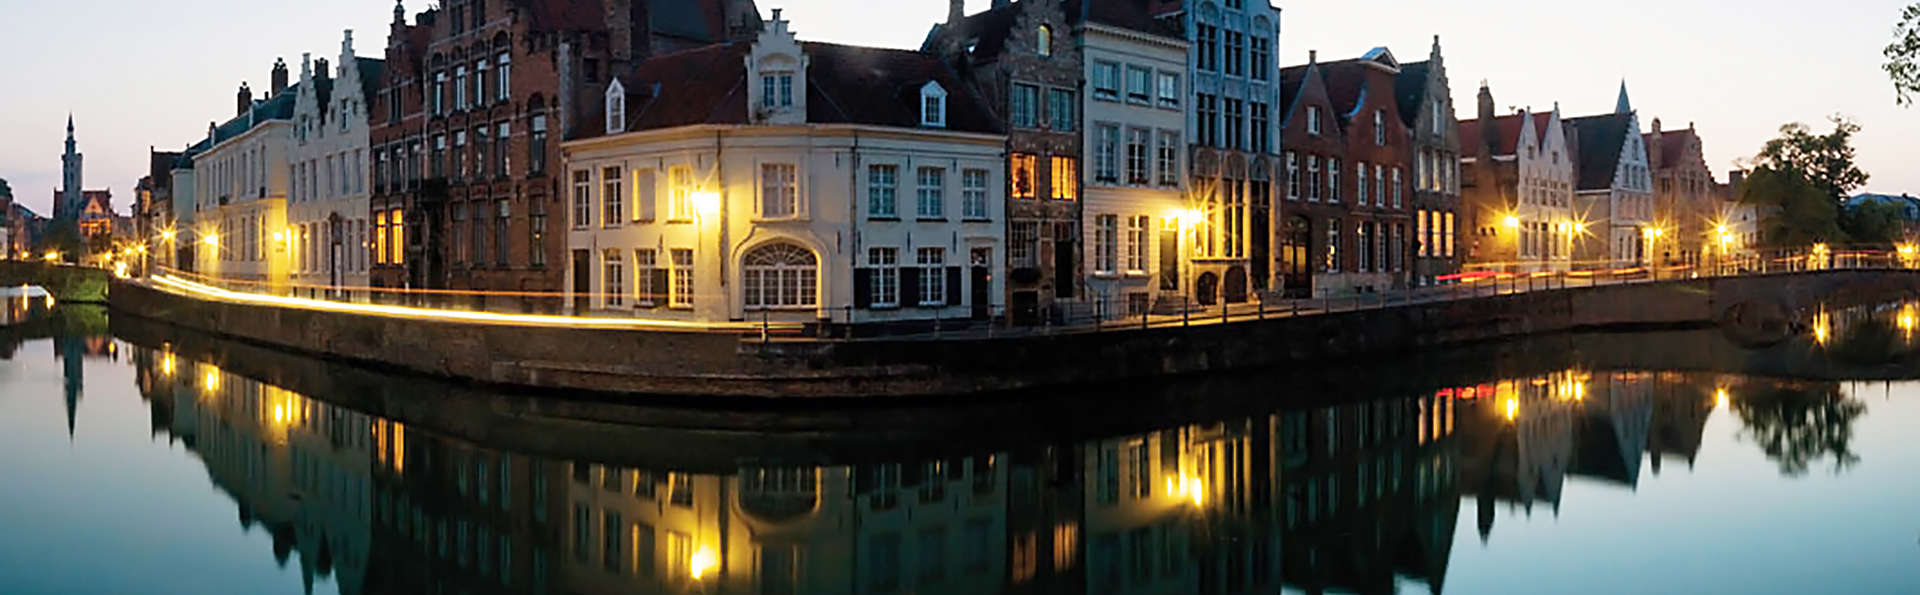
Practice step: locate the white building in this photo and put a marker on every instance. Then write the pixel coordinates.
(1615, 188)
(1135, 187)
(1527, 192)
(327, 161)
(790, 181)
(240, 186)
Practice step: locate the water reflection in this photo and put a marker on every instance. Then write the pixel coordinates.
(1350, 497)
(1341, 494)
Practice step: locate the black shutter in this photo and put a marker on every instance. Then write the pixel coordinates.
(658, 276)
(863, 288)
(865, 476)
(909, 286)
(954, 291)
(915, 474)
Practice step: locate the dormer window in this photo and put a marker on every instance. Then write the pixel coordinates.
(616, 107)
(1044, 41)
(776, 89)
(933, 105)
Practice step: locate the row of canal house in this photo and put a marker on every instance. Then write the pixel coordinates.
(1040, 160)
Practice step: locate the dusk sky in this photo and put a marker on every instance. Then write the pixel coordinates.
(137, 74)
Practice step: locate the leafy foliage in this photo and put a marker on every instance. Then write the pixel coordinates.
(1873, 223)
(1799, 214)
(1826, 160)
(1805, 178)
(1903, 56)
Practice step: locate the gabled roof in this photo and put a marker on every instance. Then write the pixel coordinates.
(845, 84)
(703, 21)
(1600, 140)
(371, 70)
(1507, 130)
(555, 15)
(986, 31)
(1294, 81)
(1410, 89)
(1347, 79)
(1132, 15)
(1673, 146)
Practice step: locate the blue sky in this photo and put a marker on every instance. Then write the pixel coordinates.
(139, 73)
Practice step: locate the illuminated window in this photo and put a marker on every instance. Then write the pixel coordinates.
(1025, 168)
(1043, 41)
(680, 193)
(1066, 178)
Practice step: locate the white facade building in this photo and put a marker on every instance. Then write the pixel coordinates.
(240, 186)
(1548, 221)
(787, 181)
(1615, 189)
(327, 204)
(1136, 179)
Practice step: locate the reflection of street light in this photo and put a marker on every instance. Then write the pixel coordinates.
(1721, 398)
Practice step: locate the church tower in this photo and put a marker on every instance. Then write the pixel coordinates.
(72, 195)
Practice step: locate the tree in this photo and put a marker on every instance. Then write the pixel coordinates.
(1874, 222)
(1797, 212)
(1903, 56)
(1825, 160)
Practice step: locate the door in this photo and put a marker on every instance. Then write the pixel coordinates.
(582, 280)
(1295, 272)
(982, 259)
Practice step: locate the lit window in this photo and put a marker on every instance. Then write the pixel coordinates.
(1066, 178)
(1043, 40)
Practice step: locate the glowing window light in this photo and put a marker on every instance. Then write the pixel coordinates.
(703, 561)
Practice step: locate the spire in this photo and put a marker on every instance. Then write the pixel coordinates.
(399, 12)
(1623, 105)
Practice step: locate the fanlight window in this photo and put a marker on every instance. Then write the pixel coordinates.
(780, 276)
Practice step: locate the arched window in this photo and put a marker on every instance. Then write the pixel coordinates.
(780, 275)
(1044, 41)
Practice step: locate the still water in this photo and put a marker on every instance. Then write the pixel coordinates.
(142, 462)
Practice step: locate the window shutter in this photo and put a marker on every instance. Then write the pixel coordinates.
(909, 286)
(863, 288)
(953, 286)
(643, 202)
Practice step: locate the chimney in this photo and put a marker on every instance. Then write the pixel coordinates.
(320, 68)
(1313, 56)
(620, 20)
(245, 100)
(279, 77)
(1654, 145)
(956, 10)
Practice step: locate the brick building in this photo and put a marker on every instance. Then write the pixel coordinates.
(1022, 58)
(1426, 105)
(1685, 196)
(477, 97)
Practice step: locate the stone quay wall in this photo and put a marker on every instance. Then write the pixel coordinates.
(627, 362)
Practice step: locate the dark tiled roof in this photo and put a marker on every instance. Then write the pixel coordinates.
(695, 20)
(845, 84)
(1674, 145)
(1133, 15)
(555, 15)
(1600, 139)
(987, 31)
(159, 166)
(371, 70)
(1410, 89)
(880, 86)
(1507, 133)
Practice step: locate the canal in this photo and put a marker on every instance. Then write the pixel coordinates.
(138, 459)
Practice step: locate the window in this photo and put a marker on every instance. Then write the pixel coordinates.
(1169, 90)
(1106, 232)
(537, 146)
(537, 235)
(613, 280)
(1364, 233)
(780, 275)
(1106, 81)
(582, 199)
(1236, 50)
(1261, 129)
(1137, 244)
(1379, 186)
(477, 233)
(459, 154)
(776, 89)
(480, 82)
(500, 151)
(1446, 236)
(1333, 180)
(1420, 231)
(379, 239)
(500, 221)
(1261, 52)
(1209, 47)
(973, 194)
(933, 106)
(1137, 156)
(650, 285)
(439, 98)
(682, 278)
(931, 193)
(1293, 175)
(1206, 122)
(1332, 264)
(680, 193)
(1043, 41)
(1380, 128)
(779, 194)
(612, 200)
(1025, 167)
(1066, 178)
(1106, 153)
(460, 87)
(933, 281)
(502, 76)
(1396, 188)
(1023, 244)
(885, 288)
(1313, 120)
(1139, 85)
(1025, 106)
(1062, 110)
(1360, 182)
(1235, 124)
(1313, 178)
(881, 183)
(616, 107)
(397, 240)
(1169, 158)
